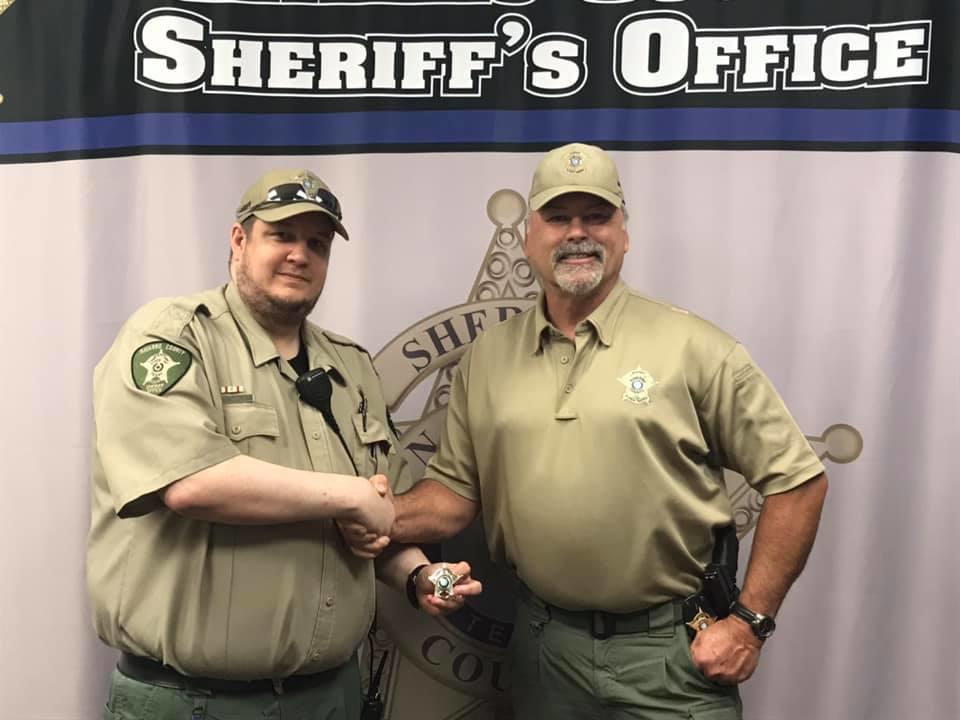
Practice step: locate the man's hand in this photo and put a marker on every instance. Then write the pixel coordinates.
(361, 541)
(727, 652)
(464, 586)
(375, 508)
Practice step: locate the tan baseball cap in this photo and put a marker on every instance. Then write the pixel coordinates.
(280, 194)
(576, 168)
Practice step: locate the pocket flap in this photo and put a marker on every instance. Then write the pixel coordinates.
(376, 431)
(245, 420)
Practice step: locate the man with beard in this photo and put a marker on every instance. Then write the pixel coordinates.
(232, 437)
(592, 431)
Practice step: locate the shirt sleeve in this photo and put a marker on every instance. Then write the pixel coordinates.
(750, 430)
(454, 464)
(146, 439)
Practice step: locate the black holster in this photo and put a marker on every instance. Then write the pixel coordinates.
(720, 577)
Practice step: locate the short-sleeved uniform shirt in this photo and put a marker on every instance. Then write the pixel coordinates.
(599, 463)
(213, 599)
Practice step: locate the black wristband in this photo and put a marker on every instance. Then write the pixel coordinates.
(412, 586)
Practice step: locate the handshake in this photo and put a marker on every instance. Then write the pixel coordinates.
(437, 588)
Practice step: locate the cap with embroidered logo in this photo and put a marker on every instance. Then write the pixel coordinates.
(576, 168)
(281, 194)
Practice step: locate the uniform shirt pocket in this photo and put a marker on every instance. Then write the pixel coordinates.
(246, 423)
(375, 443)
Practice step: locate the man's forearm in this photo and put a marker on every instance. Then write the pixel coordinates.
(782, 541)
(395, 563)
(247, 491)
(430, 512)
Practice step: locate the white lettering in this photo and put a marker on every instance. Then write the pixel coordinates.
(168, 57)
(838, 63)
(802, 69)
(897, 53)
(287, 65)
(468, 60)
(763, 54)
(230, 55)
(555, 65)
(714, 54)
(341, 66)
(419, 61)
(659, 52)
(384, 65)
(655, 53)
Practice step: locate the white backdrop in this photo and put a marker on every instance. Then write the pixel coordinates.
(837, 270)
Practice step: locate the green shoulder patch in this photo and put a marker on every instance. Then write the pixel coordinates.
(158, 366)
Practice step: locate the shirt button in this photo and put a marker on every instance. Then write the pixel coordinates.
(564, 359)
(330, 602)
(568, 389)
(315, 435)
(236, 429)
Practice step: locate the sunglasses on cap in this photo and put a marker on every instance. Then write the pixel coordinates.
(298, 192)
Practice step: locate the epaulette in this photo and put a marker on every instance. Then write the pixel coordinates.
(174, 314)
(345, 342)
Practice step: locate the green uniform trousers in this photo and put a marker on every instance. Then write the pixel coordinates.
(336, 698)
(561, 672)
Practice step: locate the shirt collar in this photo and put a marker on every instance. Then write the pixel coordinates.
(605, 317)
(260, 344)
(602, 320)
(262, 349)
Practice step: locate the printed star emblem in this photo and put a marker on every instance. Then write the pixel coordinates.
(157, 367)
(308, 185)
(637, 385)
(575, 162)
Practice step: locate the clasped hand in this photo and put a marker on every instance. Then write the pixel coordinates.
(369, 540)
(727, 652)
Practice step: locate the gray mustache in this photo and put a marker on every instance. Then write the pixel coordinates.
(584, 247)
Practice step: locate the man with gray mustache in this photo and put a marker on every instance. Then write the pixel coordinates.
(593, 430)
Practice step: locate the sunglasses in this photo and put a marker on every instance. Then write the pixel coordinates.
(297, 192)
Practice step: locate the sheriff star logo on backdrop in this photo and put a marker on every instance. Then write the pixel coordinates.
(459, 662)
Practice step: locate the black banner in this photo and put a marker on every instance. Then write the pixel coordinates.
(321, 76)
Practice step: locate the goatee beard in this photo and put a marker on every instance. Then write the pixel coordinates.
(579, 281)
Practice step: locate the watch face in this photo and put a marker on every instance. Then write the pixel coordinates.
(764, 627)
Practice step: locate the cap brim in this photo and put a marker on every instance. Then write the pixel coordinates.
(542, 198)
(282, 212)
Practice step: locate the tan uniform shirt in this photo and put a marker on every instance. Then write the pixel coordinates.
(598, 462)
(206, 598)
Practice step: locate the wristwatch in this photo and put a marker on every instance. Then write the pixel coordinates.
(412, 586)
(762, 625)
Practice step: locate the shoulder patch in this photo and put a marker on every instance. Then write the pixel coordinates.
(158, 366)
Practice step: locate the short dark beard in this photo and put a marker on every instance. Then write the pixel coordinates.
(270, 311)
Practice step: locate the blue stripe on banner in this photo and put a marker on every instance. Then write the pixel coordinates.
(432, 127)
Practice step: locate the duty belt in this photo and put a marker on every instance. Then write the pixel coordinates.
(152, 672)
(601, 624)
